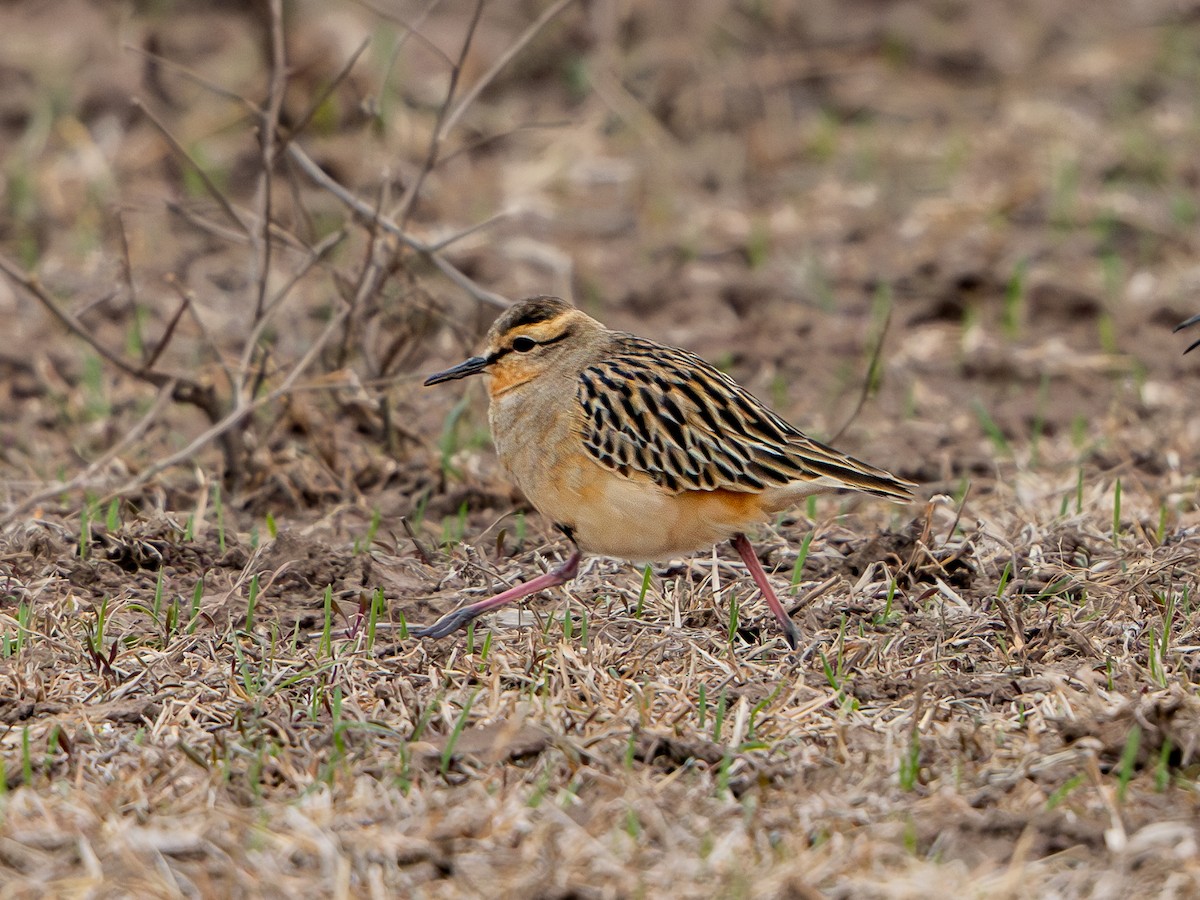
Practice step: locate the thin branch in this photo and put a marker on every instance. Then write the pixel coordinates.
(316, 254)
(194, 77)
(365, 212)
(488, 140)
(184, 302)
(467, 284)
(505, 58)
(231, 235)
(457, 236)
(613, 93)
(85, 478)
(251, 108)
(206, 225)
(447, 117)
(369, 276)
(463, 281)
(126, 261)
(869, 380)
(212, 189)
(33, 286)
(268, 130)
(89, 305)
(411, 28)
(408, 201)
(193, 311)
(341, 76)
(233, 418)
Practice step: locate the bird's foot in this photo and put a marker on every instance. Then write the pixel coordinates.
(446, 625)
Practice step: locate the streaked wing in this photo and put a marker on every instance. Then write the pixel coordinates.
(668, 414)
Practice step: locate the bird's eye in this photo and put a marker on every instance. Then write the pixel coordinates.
(524, 344)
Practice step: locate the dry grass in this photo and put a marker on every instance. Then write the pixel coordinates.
(206, 686)
(943, 737)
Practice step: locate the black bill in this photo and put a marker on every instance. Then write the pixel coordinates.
(472, 366)
(1184, 324)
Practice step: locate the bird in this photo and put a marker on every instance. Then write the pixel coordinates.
(638, 450)
(1184, 324)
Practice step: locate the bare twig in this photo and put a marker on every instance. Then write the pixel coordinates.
(206, 225)
(88, 306)
(233, 236)
(183, 389)
(505, 58)
(215, 192)
(408, 201)
(172, 323)
(316, 254)
(234, 418)
(366, 213)
(342, 75)
(868, 380)
(193, 76)
(268, 128)
(411, 28)
(471, 287)
(368, 277)
(450, 113)
(489, 139)
(126, 262)
(86, 480)
(190, 307)
(469, 230)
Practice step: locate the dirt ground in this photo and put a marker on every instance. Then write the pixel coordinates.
(225, 493)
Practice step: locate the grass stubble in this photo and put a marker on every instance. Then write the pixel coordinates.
(989, 683)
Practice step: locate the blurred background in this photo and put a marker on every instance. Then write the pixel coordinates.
(1011, 189)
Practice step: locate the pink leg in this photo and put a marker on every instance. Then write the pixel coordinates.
(790, 631)
(460, 617)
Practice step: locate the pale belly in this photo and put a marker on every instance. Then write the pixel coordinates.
(608, 513)
(632, 518)
(642, 523)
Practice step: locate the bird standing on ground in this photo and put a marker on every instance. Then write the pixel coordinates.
(638, 450)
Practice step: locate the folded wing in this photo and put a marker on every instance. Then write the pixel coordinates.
(669, 415)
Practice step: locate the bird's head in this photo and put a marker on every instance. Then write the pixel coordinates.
(531, 338)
